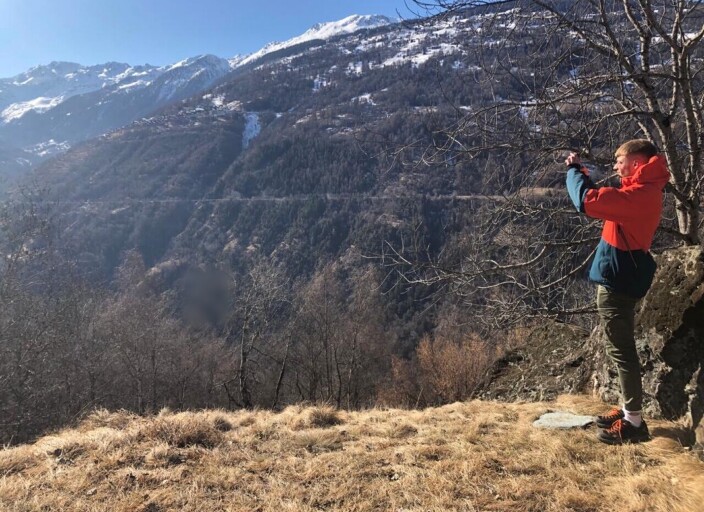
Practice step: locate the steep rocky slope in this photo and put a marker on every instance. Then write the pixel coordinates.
(323, 138)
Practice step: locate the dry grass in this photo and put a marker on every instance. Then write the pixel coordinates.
(475, 456)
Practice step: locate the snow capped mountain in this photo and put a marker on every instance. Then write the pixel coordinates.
(323, 31)
(235, 61)
(346, 26)
(44, 87)
(189, 76)
(113, 93)
(59, 80)
(48, 108)
(201, 61)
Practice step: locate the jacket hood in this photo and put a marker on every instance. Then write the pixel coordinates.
(654, 172)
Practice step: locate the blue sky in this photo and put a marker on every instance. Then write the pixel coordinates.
(158, 32)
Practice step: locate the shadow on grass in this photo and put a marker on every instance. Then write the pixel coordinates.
(682, 435)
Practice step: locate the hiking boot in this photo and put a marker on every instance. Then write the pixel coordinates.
(623, 432)
(608, 419)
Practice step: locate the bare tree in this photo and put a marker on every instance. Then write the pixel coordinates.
(368, 342)
(556, 76)
(26, 317)
(318, 358)
(260, 298)
(341, 344)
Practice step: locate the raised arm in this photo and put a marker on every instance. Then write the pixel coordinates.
(578, 181)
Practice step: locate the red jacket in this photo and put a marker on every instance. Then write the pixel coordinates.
(631, 213)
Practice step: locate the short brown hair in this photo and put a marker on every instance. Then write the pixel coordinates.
(637, 147)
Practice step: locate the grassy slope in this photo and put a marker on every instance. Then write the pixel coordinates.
(465, 456)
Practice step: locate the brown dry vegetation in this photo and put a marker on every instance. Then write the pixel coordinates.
(470, 456)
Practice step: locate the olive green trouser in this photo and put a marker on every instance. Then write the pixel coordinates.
(617, 315)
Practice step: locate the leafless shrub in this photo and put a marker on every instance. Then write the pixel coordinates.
(441, 371)
(451, 371)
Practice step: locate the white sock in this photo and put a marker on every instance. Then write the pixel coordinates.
(635, 418)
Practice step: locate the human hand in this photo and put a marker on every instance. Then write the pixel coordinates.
(573, 158)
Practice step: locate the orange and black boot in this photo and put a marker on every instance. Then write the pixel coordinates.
(623, 432)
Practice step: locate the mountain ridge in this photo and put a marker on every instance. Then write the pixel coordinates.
(324, 31)
(34, 104)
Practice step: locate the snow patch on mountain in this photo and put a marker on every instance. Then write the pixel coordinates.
(20, 84)
(252, 129)
(355, 68)
(17, 110)
(364, 98)
(419, 57)
(23, 162)
(49, 148)
(138, 84)
(319, 83)
(323, 31)
(217, 101)
(236, 60)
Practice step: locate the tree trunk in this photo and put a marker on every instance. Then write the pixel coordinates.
(244, 386)
(688, 221)
(280, 380)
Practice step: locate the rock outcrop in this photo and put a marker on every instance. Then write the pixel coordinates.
(551, 361)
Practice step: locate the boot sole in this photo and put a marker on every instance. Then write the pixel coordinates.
(617, 440)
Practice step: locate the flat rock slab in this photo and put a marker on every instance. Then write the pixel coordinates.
(563, 419)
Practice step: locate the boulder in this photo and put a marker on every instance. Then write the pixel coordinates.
(563, 420)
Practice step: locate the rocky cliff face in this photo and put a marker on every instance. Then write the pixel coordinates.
(551, 361)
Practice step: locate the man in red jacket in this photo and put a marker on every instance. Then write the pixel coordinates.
(623, 267)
